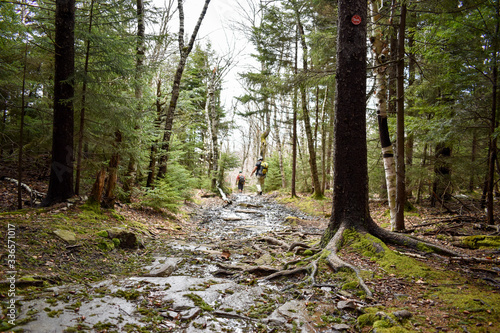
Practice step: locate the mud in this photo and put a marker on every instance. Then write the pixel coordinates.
(184, 290)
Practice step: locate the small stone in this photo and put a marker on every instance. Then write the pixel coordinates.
(402, 314)
(349, 304)
(66, 235)
(341, 327)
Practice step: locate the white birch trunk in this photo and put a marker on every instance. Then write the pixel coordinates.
(380, 50)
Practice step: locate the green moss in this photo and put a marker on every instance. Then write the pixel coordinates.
(308, 252)
(199, 302)
(390, 261)
(350, 285)
(477, 299)
(481, 242)
(116, 242)
(103, 233)
(382, 324)
(366, 319)
(424, 248)
(106, 245)
(128, 295)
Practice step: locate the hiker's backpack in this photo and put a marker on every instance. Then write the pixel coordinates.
(264, 167)
(241, 179)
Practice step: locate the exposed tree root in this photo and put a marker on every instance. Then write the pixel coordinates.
(407, 240)
(336, 263)
(288, 272)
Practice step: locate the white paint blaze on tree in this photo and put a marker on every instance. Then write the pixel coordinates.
(380, 49)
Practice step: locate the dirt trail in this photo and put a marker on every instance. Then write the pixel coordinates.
(187, 289)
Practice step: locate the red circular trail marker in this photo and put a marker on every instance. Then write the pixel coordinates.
(356, 19)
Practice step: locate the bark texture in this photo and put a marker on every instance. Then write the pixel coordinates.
(61, 173)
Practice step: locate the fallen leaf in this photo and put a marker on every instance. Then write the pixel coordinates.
(225, 254)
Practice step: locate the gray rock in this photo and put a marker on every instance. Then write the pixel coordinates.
(402, 314)
(348, 304)
(341, 327)
(162, 267)
(66, 235)
(128, 239)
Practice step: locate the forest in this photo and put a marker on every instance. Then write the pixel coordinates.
(351, 103)
(146, 99)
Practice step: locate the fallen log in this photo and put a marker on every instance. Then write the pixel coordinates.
(34, 194)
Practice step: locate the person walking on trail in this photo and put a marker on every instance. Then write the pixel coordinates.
(240, 181)
(260, 171)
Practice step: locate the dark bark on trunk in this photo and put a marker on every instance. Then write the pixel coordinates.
(350, 171)
(131, 177)
(174, 96)
(441, 186)
(318, 193)
(473, 159)
(294, 123)
(154, 146)
(21, 135)
(109, 199)
(61, 173)
(492, 151)
(400, 165)
(82, 111)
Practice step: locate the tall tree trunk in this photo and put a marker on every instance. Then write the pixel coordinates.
(294, 121)
(380, 49)
(323, 142)
(174, 95)
(492, 151)
(329, 150)
(400, 143)
(61, 173)
(82, 110)
(305, 115)
(130, 178)
(21, 134)
(279, 148)
(212, 122)
(154, 146)
(410, 141)
(350, 170)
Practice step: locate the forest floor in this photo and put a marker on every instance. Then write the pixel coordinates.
(226, 253)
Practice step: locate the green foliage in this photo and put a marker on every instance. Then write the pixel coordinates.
(171, 191)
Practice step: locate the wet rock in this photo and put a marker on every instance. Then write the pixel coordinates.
(346, 305)
(66, 235)
(264, 259)
(232, 218)
(249, 211)
(190, 314)
(402, 314)
(162, 267)
(341, 327)
(128, 239)
(170, 314)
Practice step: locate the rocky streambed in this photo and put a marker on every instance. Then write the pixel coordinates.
(213, 280)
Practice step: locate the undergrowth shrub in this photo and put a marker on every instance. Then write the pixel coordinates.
(171, 191)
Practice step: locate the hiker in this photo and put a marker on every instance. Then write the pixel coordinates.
(240, 181)
(260, 171)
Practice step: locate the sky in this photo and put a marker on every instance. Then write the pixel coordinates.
(216, 27)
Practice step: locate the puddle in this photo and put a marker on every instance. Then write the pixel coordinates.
(190, 297)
